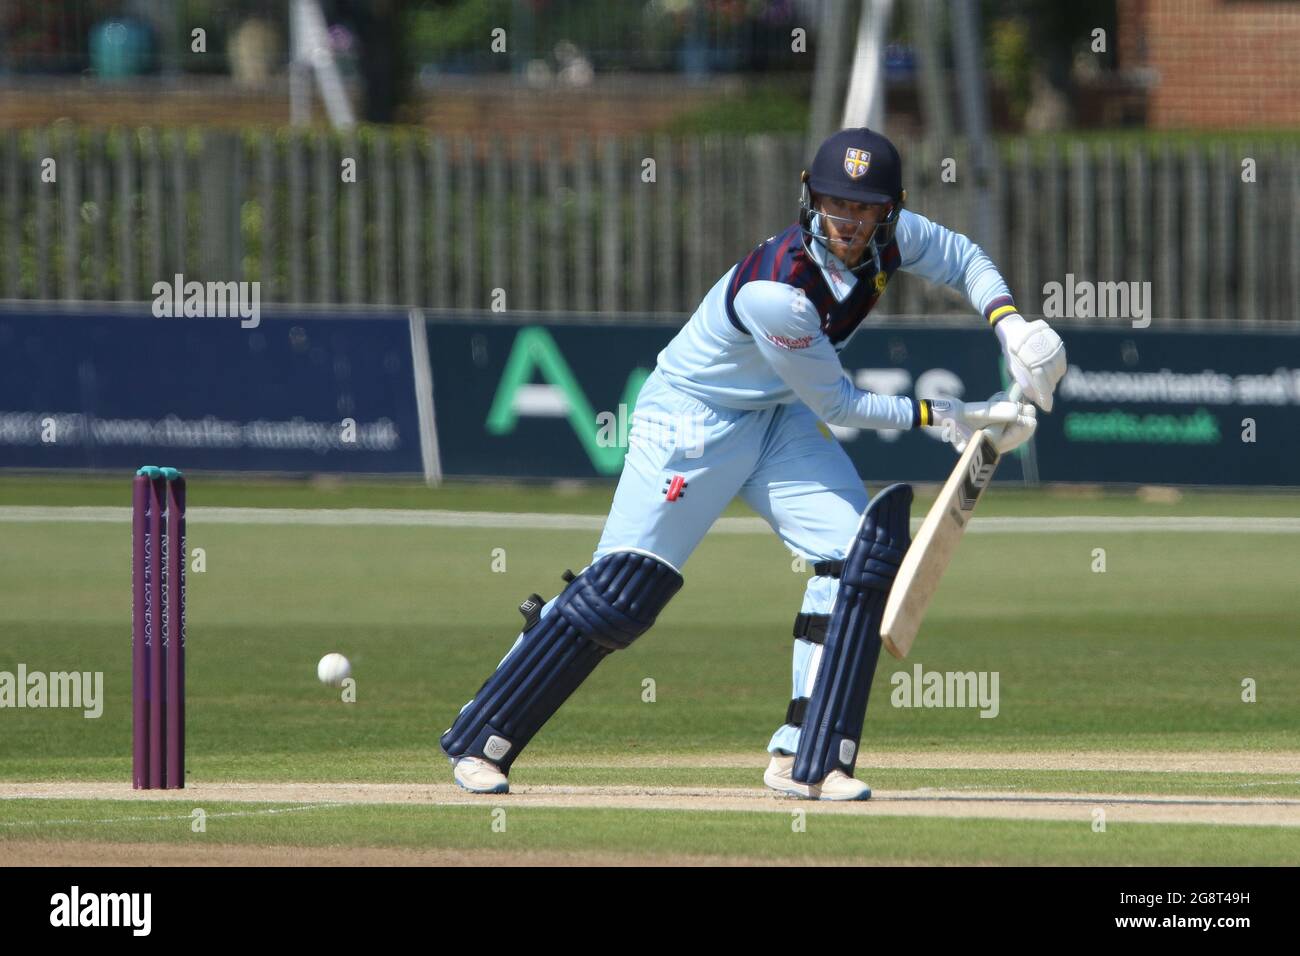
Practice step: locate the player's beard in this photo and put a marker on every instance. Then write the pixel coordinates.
(841, 249)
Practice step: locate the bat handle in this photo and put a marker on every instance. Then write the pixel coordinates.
(1015, 393)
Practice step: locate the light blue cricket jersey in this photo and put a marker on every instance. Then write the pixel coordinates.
(769, 331)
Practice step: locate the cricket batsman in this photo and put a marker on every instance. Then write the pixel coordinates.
(736, 406)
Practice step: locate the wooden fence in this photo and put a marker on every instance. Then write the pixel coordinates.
(626, 225)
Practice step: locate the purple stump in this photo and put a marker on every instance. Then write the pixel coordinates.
(139, 635)
(155, 630)
(175, 603)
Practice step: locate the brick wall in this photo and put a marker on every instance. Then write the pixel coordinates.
(1217, 64)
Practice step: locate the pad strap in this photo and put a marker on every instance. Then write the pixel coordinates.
(811, 627)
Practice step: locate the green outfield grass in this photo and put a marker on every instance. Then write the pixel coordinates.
(1149, 655)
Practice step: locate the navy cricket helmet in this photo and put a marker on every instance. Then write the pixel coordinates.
(858, 165)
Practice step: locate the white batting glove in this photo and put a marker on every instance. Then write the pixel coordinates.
(1011, 436)
(957, 420)
(1035, 357)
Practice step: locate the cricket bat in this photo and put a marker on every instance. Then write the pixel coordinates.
(923, 566)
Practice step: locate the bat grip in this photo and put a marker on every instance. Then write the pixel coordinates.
(1015, 393)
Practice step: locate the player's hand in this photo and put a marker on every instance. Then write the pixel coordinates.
(1014, 434)
(1035, 357)
(957, 420)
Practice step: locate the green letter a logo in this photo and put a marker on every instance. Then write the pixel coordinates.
(562, 396)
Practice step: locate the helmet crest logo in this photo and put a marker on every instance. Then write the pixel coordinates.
(856, 162)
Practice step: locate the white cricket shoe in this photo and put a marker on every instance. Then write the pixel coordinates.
(837, 786)
(479, 776)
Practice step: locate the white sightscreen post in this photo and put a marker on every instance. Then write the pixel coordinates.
(428, 420)
(310, 51)
(865, 103)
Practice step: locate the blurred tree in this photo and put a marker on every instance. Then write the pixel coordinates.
(1011, 64)
(1033, 45)
(453, 34)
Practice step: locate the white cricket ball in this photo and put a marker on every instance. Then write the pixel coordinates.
(333, 670)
